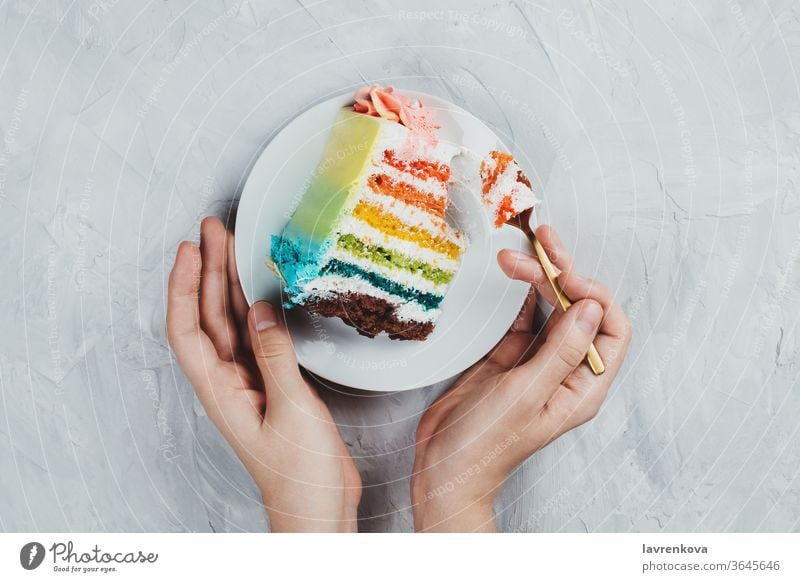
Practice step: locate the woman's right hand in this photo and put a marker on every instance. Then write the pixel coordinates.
(527, 392)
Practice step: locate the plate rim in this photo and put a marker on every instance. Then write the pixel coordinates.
(342, 100)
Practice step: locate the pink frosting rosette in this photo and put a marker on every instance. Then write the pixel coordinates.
(388, 104)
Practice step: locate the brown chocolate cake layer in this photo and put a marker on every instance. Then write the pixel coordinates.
(369, 316)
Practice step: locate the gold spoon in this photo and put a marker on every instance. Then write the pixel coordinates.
(522, 221)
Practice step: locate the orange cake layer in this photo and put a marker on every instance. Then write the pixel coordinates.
(490, 176)
(420, 168)
(383, 184)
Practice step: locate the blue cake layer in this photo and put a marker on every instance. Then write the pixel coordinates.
(297, 263)
(426, 300)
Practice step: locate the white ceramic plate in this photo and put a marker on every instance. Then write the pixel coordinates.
(478, 309)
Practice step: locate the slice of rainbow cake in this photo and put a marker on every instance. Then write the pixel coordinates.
(369, 242)
(505, 189)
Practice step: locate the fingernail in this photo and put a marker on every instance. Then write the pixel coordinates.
(589, 316)
(264, 316)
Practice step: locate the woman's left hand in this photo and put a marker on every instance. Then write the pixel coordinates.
(243, 367)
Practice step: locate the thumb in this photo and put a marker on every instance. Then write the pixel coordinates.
(273, 351)
(567, 342)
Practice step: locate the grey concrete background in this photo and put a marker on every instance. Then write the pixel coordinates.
(663, 136)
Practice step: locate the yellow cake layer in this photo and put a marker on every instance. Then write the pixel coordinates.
(392, 225)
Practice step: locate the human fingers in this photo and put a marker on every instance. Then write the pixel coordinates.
(238, 303)
(523, 267)
(576, 287)
(193, 348)
(214, 307)
(275, 357)
(563, 351)
(615, 323)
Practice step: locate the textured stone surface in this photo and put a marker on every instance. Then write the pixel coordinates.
(663, 137)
